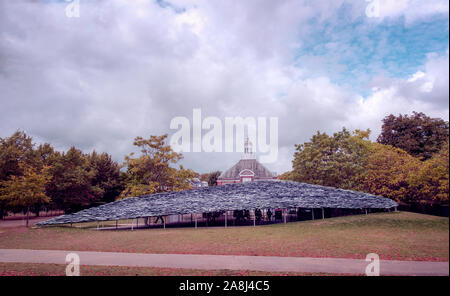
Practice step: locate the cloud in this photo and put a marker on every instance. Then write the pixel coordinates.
(412, 10)
(427, 92)
(126, 68)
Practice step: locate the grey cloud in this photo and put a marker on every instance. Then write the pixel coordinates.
(125, 69)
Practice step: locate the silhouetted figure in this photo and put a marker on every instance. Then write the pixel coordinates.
(247, 214)
(158, 218)
(258, 215)
(278, 215)
(238, 215)
(269, 214)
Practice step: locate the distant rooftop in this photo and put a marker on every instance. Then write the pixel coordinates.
(258, 169)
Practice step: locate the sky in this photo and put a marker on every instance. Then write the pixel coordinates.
(126, 68)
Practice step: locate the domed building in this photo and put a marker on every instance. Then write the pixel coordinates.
(247, 169)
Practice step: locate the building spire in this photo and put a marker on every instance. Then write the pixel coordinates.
(248, 150)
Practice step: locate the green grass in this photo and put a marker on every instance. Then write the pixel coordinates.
(399, 236)
(29, 269)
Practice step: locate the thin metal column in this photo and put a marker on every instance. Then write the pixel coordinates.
(226, 214)
(323, 213)
(284, 215)
(312, 213)
(195, 221)
(254, 218)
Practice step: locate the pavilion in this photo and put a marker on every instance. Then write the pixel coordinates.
(289, 201)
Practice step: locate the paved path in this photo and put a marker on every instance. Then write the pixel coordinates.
(259, 263)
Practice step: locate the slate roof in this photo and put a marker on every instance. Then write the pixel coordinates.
(251, 164)
(241, 196)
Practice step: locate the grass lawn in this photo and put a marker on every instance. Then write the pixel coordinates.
(400, 236)
(27, 269)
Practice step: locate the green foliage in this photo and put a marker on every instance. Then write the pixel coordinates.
(287, 176)
(388, 171)
(419, 135)
(73, 180)
(430, 182)
(151, 171)
(106, 175)
(26, 190)
(15, 150)
(71, 185)
(337, 161)
(353, 162)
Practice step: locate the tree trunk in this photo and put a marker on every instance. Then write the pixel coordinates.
(28, 214)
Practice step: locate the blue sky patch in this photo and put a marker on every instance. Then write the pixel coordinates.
(351, 53)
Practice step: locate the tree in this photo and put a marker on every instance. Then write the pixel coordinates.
(286, 176)
(25, 190)
(389, 170)
(15, 151)
(71, 184)
(106, 175)
(179, 179)
(204, 177)
(212, 178)
(419, 135)
(337, 161)
(431, 182)
(151, 171)
(44, 157)
(45, 154)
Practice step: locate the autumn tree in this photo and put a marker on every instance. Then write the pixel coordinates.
(16, 152)
(286, 176)
(388, 172)
(418, 134)
(179, 177)
(25, 190)
(337, 161)
(430, 183)
(151, 171)
(45, 154)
